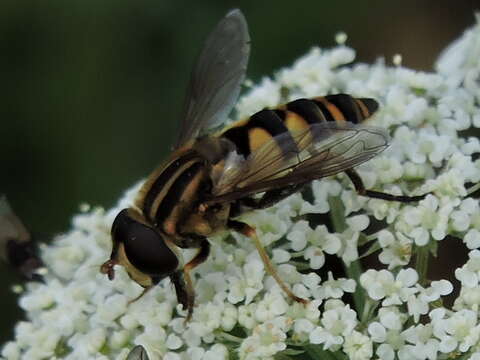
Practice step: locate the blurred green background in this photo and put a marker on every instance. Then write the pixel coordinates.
(92, 89)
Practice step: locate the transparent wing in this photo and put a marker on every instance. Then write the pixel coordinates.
(217, 77)
(297, 157)
(11, 228)
(138, 353)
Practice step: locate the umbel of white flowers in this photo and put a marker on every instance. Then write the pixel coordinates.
(397, 313)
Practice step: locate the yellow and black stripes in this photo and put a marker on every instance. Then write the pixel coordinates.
(259, 129)
(173, 190)
(349, 108)
(182, 195)
(297, 115)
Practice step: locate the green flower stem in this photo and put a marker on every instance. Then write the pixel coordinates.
(337, 212)
(316, 352)
(230, 337)
(473, 189)
(422, 255)
(368, 311)
(354, 270)
(300, 265)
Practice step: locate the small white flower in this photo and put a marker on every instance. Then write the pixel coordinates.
(268, 224)
(206, 318)
(388, 170)
(387, 333)
(266, 340)
(173, 342)
(396, 250)
(358, 346)
(321, 190)
(316, 241)
(352, 202)
(469, 274)
(211, 287)
(349, 238)
(11, 350)
(387, 210)
(337, 322)
(428, 218)
(469, 298)
(216, 352)
(424, 345)
(263, 95)
(437, 289)
(459, 331)
(229, 317)
(280, 256)
(246, 285)
(472, 239)
(272, 306)
(336, 288)
(246, 316)
(305, 319)
(383, 285)
(450, 183)
(172, 356)
(417, 306)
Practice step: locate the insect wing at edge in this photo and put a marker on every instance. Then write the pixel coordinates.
(296, 157)
(216, 78)
(11, 228)
(16, 245)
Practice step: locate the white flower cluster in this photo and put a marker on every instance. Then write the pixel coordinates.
(241, 313)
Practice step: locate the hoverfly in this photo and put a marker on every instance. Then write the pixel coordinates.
(210, 179)
(16, 245)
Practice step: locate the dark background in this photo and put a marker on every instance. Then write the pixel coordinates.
(92, 89)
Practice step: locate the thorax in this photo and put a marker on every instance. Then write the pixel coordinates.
(172, 196)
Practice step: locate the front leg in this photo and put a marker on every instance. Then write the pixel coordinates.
(184, 285)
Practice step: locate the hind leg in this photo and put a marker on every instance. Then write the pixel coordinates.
(360, 188)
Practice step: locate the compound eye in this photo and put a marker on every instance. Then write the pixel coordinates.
(144, 247)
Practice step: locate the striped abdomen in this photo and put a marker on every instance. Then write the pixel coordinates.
(248, 135)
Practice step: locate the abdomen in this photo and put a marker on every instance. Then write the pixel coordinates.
(248, 135)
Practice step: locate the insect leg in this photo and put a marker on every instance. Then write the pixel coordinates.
(180, 288)
(360, 188)
(145, 290)
(188, 290)
(272, 197)
(249, 231)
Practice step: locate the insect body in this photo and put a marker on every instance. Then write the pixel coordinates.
(138, 353)
(16, 245)
(210, 179)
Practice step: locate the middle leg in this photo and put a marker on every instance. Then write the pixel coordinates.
(249, 231)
